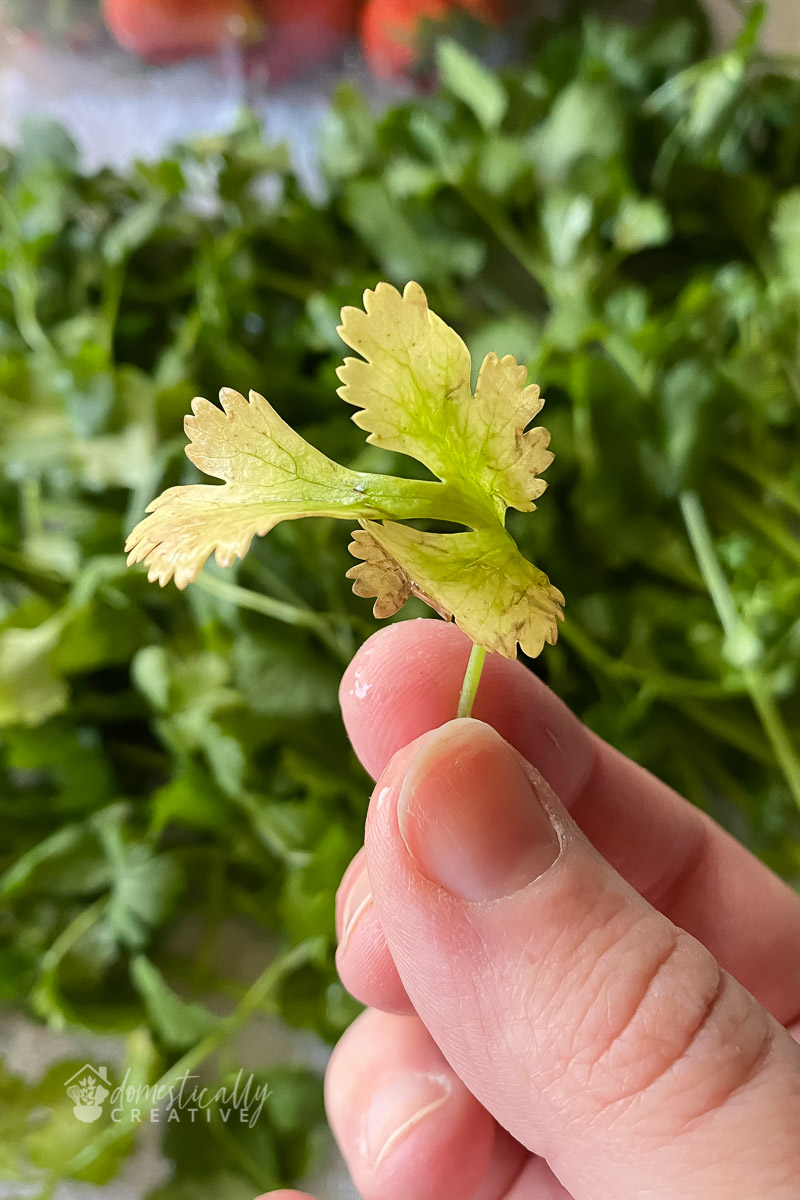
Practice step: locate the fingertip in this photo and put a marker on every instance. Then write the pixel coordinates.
(347, 894)
(406, 679)
(400, 1113)
(367, 969)
(284, 1195)
(363, 959)
(386, 695)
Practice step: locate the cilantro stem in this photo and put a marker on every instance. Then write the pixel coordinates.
(763, 522)
(775, 484)
(502, 228)
(472, 677)
(71, 934)
(761, 695)
(661, 684)
(23, 284)
(110, 302)
(703, 546)
(733, 732)
(769, 714)
(268, 606)
(15, 561)
(285, 284)
(254, 999)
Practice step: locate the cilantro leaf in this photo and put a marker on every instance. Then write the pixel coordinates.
(143, 884)
(412, 386)
(178, 1022)
(500, 598)
(641, 257)
(412, 391)
(271, 474)
(30, 689)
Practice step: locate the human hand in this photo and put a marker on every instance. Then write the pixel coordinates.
(593, 996)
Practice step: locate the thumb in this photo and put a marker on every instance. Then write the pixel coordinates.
(599, 1034)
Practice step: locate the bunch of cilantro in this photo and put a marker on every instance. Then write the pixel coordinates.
(620, 212)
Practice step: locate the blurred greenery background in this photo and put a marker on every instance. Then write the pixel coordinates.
(619, 209)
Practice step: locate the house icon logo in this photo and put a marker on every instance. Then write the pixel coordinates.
(88, 1088)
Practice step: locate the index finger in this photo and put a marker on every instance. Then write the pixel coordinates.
(405, 681)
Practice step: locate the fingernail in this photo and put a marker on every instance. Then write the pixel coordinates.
(470, 817)
(397, 1108)
(356, 903)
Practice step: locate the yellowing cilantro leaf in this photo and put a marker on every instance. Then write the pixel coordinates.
(412, 386)
(382, 575)
(271, 474)
(509, 459)
(413, 395)
(497, 596)
(187, 525)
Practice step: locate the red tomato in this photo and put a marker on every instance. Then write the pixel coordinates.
(291, 35)
(161, 30)
(389, 28)
(303, 33)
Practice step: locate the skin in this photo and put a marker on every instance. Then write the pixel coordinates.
(580, 987)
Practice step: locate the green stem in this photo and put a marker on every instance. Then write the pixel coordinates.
(287, 285)
(268, 606)
(289, 614)
(700, 538)
(274, 583)
(660, 683)
(503, 230)
(739, 735)
(763, 522)
(72, 934)
(774, 726)
(251, 1002)
(472, 678)
(23, 284)
(18, 562)
(761, 696)
(767, 479)
(110, 301)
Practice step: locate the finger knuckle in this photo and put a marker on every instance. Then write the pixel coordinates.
(660, 1020)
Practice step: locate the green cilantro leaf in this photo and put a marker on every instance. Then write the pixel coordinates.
(178, 1022)
(30, 689)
